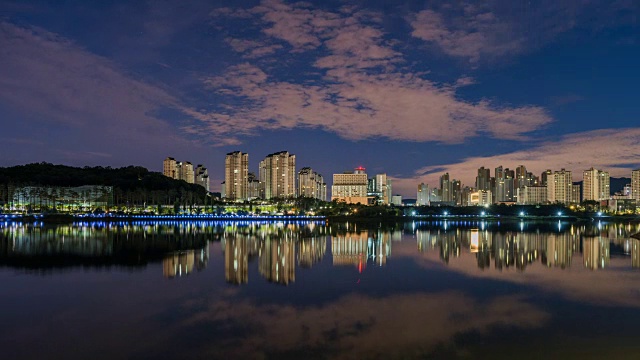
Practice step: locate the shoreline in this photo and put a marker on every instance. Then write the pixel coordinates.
(68, 218)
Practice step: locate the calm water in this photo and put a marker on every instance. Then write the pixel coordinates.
(465, 290)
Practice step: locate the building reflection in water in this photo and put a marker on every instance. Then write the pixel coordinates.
(635, 253)
(275, 246)
(183, 263)
(357, 248)
(553, 248)
(311, 251)
(181, 248)
(596, 252)
(277, 260)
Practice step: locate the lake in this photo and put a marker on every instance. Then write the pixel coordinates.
(317, 290)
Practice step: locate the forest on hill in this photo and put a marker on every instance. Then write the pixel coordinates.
(132, 185)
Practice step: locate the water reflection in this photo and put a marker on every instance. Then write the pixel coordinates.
(281, 247)
(185, 262)
(521, 245)
(361, 247)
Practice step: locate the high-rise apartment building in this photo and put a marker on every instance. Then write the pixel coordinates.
(483, 180)
(532, 195)
(422, 198)
(509, 185)
(311, 184)
(383, 188)
(253, 187)
(236, 176)
(185, 169)
(635, 184)
(278, 175)
(169, 168)
(446, 188)
(499, 190)
(480, 198)
(595, 185)
(545, 176)
(202, 177)
(559, 187)
(521, 177)
(576, 189)
(350, 187)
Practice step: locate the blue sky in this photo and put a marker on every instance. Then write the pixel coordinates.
(411, 88)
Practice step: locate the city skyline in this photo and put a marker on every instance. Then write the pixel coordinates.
(413, 90)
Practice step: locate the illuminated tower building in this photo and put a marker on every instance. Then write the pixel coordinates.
(350, 187)
(169, 168)
(456, 192)
(278, 175)
(500, 184)
(509, 183)
(483, 180)
(596, 185)
(186, 172)
(253, 187)
(521, 179)
(544, 177)
(202, 176)
(383, 188)
(236, 175)
(559, 187)
(311, 184)
(446, 188)
(635, 184)
(423, 195)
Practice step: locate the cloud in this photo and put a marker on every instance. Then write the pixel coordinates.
(359, 89)
(613, 150)
(88, 98)
(475, 34)
(251, 48)
(359, 326)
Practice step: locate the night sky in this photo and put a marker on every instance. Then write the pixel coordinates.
(413, 88)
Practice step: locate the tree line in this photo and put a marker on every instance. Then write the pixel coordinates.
(133, 186)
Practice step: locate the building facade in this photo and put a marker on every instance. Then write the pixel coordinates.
(532, 195)
(560, 187)
(595, 185)
(202, 177)
(383, 188)
(236, 176)
(422, 198)
(311, 184)
(170, 168)
(277, 174)
(635, 184)
(350, 187)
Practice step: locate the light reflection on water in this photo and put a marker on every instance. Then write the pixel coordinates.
(437, 289)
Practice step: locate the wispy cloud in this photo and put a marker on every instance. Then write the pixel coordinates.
(617, 151)
(364, 89)
(91, 99)
(361, 325)
(474, 34)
